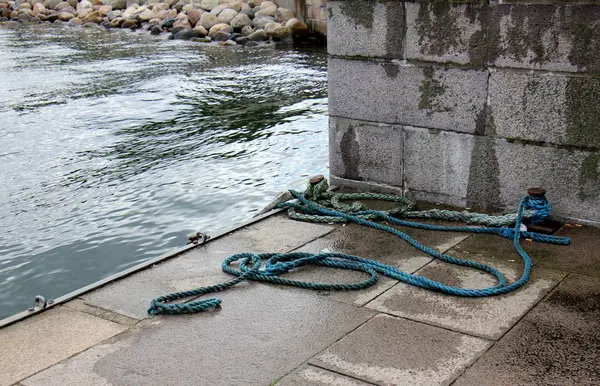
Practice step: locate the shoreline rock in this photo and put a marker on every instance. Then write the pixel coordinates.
(230, 22)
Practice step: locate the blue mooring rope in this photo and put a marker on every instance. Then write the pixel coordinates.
(280, 263)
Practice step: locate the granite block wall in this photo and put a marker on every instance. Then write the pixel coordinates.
(468, 103)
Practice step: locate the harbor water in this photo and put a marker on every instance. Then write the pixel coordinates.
(116, 145)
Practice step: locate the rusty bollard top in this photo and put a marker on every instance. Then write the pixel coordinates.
(536, 192)
(316, 179)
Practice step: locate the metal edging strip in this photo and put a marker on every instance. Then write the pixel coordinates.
(129, 271)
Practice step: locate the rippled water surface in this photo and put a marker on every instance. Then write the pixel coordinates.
(116, 145)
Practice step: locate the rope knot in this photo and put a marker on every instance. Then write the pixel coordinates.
(507, 233)
(275, 269)
(316, 188)
(540, 205)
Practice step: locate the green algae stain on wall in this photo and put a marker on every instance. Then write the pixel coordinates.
(431, 88)
(437, 28)
(359, 11)
(528, 31)
(484, 44)
(442, 32)
(534, 34)
(583, 29)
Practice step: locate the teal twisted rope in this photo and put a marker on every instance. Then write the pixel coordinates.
(540, 206)
(537, 209)
(278, 264)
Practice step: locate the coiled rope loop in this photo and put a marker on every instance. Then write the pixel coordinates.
(250, 265)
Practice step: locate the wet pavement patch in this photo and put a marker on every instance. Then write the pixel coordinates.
(581, 256)
(259, 334)
(558, 342)
(395, 351)
(371, 244)
(55, 335)
(545, 332)
(488, 317)
(315, 376)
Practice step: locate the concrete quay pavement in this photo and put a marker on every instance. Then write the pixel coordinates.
(390, 334)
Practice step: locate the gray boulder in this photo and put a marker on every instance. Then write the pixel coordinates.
(113, 14)
(220, 36)
(261, 22)
(249, 11)
(187, 34)
(227, 15)
(242, 40)
(240, 21)
(258, 36)
(282, 15)
(116, 4)
(208, 5)
(247, 30)
(63, 5)
(208, 20)
(155, 30)
(50, 4)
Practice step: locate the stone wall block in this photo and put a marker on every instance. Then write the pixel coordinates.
(572, 177)
(364, 151)
(497, 173)
(536, 36)
(552, 108)
(437, 161)
(367, 29)
(442, 32)
(424, 96)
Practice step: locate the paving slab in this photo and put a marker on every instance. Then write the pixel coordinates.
(487, 317)
(48, 338)
(315, 376)
(557, 343)
(395, 351)
(371, 244)
(581, 256)
(260, 334)
(79, 370)
(79, 305)
(202, 266)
